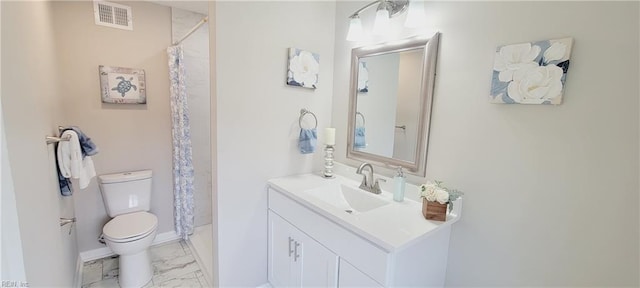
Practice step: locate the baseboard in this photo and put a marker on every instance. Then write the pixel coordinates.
(265, 285)
(77, 280)
(106, 251)
(165, 237)
(195, 254)
(95, 254)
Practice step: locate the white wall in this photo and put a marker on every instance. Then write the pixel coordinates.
(257, 119)
(11, 260)
(213, 120)
(196, 62)
(31, 105)
(551, 191)
(130, 137)
(12, 267)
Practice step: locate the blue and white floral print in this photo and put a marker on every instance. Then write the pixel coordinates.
(363, 77)
(183, 173)
(304, 67)
(531, 73)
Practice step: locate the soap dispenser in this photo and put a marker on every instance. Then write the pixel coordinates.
(399, 182)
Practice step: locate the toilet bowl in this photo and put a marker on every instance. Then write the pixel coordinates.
(132, 230)
(130, 236)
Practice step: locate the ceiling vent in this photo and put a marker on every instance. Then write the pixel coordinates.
(112, 15)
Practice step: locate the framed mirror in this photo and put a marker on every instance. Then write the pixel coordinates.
(390, 95)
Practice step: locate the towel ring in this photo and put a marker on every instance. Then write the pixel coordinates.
(361, 116)
(304, 112)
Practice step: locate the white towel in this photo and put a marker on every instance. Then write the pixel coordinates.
(70, 160)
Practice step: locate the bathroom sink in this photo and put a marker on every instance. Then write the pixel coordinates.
(306, 199)
(350, 199)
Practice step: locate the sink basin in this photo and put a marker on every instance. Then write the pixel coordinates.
(350, 199)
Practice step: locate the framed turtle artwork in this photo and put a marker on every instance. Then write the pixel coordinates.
(122, 85)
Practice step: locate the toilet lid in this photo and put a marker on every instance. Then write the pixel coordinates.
(130, 225)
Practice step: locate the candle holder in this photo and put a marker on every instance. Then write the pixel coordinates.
(328, 162)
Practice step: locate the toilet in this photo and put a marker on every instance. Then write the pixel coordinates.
(127, 198)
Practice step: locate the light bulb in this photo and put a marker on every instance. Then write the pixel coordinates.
(415, 15)
(355, 29)
(382, 25)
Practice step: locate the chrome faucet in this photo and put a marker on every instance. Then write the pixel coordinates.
(368, 184)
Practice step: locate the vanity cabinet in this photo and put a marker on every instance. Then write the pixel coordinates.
(296, 260)
(308, 249)
(350, 276)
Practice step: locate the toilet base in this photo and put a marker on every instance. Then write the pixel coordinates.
(135, 270)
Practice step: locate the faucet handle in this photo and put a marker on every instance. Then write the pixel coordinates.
(363, 184)
(376, 186)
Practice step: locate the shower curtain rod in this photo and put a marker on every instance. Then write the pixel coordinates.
(204, 20)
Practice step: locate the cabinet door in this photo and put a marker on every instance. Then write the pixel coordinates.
(349, 276)
(318, 266)
(296, 260)
(280, 251)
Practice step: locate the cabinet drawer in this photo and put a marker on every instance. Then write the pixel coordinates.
(367, 257)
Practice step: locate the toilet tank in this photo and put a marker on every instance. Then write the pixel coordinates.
(126, 192)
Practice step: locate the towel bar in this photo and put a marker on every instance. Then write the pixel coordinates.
(53, 139)
(65, 221)
(304, 112)
(62, 128)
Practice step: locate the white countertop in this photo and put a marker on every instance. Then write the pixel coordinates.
(391, 227)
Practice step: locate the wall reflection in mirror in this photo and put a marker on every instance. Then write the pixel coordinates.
(389, 97)
(391, 94)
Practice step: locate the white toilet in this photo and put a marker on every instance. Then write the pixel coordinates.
(127, 198)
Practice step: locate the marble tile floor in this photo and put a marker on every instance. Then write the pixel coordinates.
(173, 266)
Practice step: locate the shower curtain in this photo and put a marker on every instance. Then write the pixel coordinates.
(182, 160)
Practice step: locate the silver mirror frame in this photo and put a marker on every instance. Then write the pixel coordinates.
(418, 166)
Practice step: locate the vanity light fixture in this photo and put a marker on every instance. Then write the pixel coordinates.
(355, 29)
(382, 24)
(415, 15)
(385, 10)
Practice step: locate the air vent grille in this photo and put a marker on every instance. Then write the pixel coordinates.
(112, 15)
(106, 14)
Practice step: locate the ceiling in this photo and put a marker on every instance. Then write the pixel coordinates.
(193, 6)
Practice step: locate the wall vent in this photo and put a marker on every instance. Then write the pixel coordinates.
(112, 15)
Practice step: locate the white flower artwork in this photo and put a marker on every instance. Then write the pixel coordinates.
(304, 67)
(531, 73)
(363, 77)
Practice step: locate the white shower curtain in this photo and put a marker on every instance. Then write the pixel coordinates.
(182, 159)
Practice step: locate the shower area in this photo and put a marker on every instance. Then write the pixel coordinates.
(193, 215)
